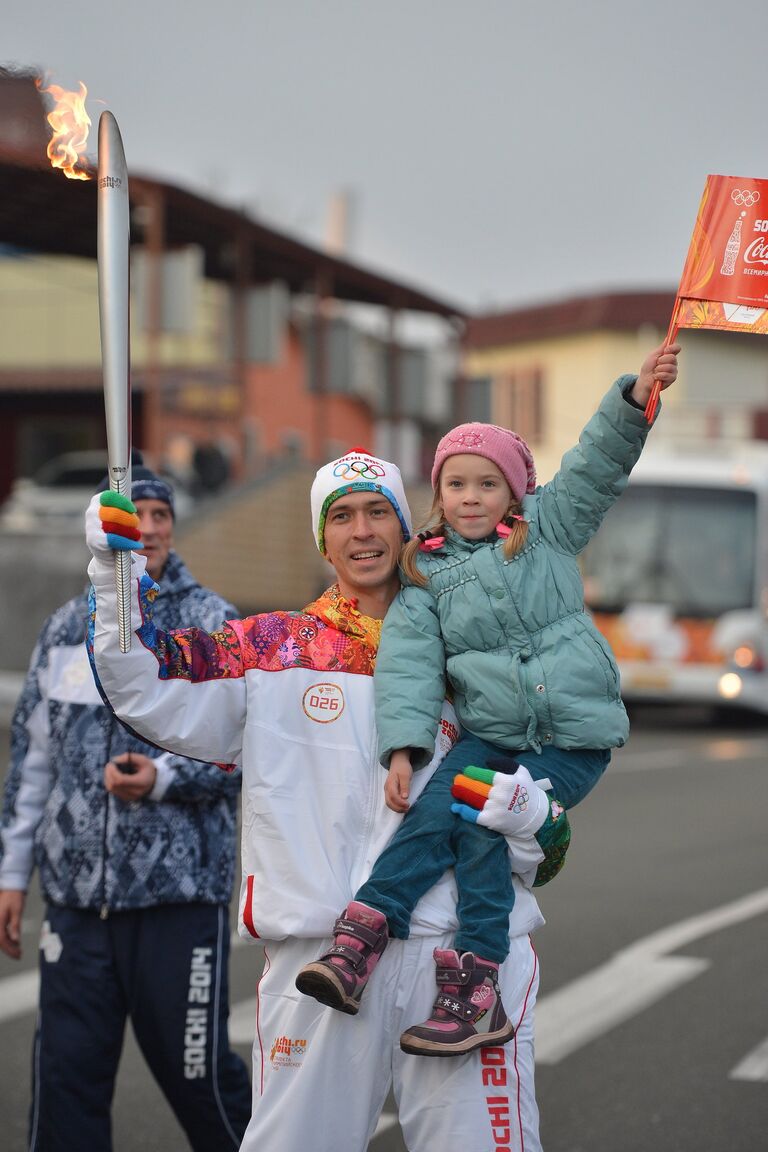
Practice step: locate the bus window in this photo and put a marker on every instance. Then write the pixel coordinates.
(692, 549)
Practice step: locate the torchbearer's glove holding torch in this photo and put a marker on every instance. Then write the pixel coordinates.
(111, 524)
(505, 798)
(111, 529)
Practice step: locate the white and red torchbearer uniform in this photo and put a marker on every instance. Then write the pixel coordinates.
(290, 697)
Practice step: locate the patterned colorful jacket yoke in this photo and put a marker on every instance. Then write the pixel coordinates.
(329, 635)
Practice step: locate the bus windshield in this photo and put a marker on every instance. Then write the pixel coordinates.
(692, 549)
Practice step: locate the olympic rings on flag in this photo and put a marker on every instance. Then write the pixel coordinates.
(745, 197)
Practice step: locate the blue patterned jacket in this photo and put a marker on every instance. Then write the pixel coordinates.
(93, 850)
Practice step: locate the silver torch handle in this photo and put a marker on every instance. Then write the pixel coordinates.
(113, 242)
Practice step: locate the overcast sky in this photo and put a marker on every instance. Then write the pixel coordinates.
(498, 152)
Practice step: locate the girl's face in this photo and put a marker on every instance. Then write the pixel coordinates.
(474, 496)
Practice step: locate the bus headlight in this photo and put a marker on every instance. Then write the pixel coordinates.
(747, 657)
(729, 685)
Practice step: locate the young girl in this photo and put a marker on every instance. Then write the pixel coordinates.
(494, 609)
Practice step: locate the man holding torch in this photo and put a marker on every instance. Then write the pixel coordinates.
(290, 696)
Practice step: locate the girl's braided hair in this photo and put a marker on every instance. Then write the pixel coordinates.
(436, 526)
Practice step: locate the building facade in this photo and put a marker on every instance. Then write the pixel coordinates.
(542, 371)
(247, 345)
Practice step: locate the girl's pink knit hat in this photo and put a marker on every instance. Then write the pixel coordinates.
(508, 451)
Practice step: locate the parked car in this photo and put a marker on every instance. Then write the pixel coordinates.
(57, 495)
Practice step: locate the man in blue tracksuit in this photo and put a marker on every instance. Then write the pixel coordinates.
(136, 854)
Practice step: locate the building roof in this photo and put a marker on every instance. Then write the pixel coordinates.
(608, 311)
(42, 211)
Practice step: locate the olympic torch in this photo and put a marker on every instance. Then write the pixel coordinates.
(113, 240)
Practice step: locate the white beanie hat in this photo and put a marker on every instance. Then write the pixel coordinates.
(357, 471)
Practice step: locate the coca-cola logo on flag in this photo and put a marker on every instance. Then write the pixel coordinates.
(757, 251)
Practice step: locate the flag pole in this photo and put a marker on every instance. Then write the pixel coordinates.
(113, 242)
(653, 399)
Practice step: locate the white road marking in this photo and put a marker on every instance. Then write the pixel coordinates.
(592, 1004)
(630, 981)
(644, 762)
(754, 1066)
(242, 1022)
(18, 994)
(609, 995)
(387, 1120)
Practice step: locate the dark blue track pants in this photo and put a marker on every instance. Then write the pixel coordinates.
(165, 968)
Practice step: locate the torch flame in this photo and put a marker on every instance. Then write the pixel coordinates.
(69, 123)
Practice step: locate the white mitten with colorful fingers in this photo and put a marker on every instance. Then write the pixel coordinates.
(516, 805)
(95, 536)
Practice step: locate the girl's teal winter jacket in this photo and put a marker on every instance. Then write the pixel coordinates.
(526, 665)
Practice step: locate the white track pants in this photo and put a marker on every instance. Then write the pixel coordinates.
(320, 1077)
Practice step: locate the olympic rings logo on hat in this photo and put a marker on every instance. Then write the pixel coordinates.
(745, 197)
(358, 470)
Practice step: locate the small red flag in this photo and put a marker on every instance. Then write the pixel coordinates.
(724, 284)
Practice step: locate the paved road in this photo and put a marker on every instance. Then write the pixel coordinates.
(652, 1029)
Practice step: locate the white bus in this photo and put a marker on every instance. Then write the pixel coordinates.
(677, 576)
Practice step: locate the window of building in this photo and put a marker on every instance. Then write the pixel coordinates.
(477, 399)
(520, 403)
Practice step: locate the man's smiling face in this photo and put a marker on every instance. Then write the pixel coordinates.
(363, 538)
